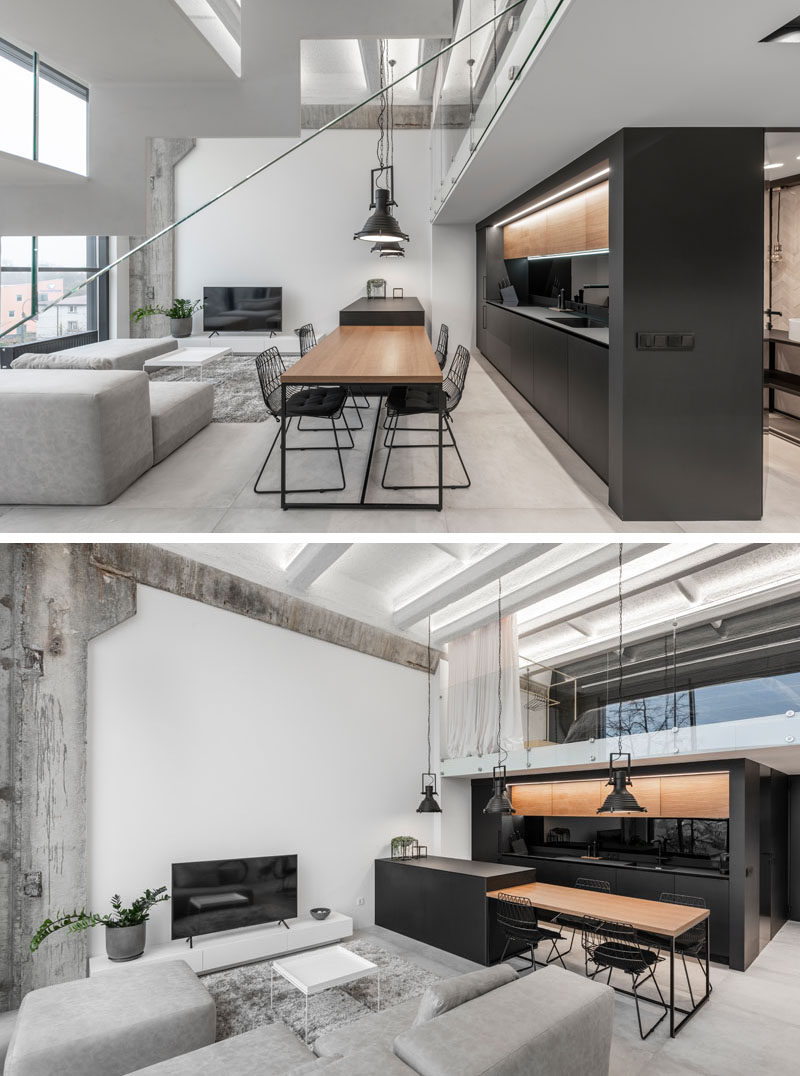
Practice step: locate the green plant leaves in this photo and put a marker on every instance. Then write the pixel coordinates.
(76, 921)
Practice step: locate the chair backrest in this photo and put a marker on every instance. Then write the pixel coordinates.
(696, 933)
(455, 380)
(593, 883)
(617, 942)
(516, 913)
(269, 365)
(307, 338)
(441, 347)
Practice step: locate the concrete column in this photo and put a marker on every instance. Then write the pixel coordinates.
(152, 270)
(53, 601)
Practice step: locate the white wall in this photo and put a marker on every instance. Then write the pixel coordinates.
(453, 282)
(212, 735)
(293, 225)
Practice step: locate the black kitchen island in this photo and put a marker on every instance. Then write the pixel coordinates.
(406, 311)
(442, 902)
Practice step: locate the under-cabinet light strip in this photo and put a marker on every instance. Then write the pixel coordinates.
(555, 197)
(568, 254)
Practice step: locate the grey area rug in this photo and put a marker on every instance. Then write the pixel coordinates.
(237, 394)
(242, 995)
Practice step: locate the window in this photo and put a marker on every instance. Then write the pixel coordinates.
(47, 268)
(58, 135)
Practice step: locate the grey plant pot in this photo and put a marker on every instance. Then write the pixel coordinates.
(125, 943)
(180, 327)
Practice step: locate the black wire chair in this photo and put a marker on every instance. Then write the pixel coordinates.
(575, 922)
(441, 347)
(308, 340)
(520, 923)
(318, 401)
(423, 400)
(693, 942)
(617, 947)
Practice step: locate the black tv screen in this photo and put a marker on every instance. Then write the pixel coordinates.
(223, 894)
(241, 310)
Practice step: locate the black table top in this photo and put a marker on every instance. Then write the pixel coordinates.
(471, 867)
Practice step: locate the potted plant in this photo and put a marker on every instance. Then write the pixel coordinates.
(179, 314)
(126, 928)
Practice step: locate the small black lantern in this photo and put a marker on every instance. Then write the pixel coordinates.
(619, 777)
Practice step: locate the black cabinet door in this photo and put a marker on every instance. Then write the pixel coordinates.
(495, 264)
(649, 885)
(498, 322)
(588, 403)
(521, 371)
(715, 892)
(480, 273)
(551, 377)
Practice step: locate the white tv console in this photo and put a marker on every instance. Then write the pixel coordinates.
(245, 343)
(215, 951)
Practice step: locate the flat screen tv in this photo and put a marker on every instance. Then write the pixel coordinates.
(223, 894)
(242, 310)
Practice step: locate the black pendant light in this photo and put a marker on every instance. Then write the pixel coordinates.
(619, 800)
(429, 804)
(499, 801)
(381, 227)
(388, 250)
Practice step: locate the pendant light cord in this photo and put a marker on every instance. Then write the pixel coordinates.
(382, 110)
(619, 681)
(674, 674)
(429, 695)
(502, 754)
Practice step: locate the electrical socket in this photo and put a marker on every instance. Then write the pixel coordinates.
(360, 902)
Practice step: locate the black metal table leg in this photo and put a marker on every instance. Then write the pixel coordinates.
(283, 447)
(441, 448)
(708, 951)
(368, 468)
(672, 988)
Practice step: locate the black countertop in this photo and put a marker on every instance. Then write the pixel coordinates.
(698, 872)
(595, 334)
(472, 867)
(383, 306)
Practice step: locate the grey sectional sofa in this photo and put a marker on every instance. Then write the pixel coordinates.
(103, 355)
(486, 1023)
(83, 436)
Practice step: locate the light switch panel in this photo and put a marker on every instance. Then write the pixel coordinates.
(670, 341)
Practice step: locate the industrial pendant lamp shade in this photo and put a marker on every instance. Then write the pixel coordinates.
(429, 804)
(499, 801)
(380, 226)
(619, 800)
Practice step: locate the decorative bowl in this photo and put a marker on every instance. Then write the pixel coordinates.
(320, 913)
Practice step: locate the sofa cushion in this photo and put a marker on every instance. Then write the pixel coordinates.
(55, 361)
(377, 1029)
(179, 410)
(113, 1023)
(273, 1050)
(7, 1022)
(443, 996)
(123, 354)
(372, 1060)
(550, 1021)
(72, 436)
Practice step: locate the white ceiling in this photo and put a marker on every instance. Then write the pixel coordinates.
(332, 71)
(565, 595)
(621, 63)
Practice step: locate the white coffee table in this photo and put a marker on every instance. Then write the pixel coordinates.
(188, 358)
(320, 969)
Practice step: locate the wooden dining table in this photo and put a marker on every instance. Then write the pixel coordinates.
(667, 921)
(376, 357)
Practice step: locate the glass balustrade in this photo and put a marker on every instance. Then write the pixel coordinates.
(453, 89)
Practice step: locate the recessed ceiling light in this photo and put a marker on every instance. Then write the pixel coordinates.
(789, 34)
(777, 164)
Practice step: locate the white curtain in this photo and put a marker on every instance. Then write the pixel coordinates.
(471, 725)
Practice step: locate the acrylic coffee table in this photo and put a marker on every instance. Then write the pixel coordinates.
(320, 969)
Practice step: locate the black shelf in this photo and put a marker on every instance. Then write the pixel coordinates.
(783, 381)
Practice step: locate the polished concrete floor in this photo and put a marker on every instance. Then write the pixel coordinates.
(525, 479)
(749, 1025)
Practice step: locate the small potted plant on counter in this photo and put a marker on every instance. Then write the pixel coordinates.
(179, 314)
(126, 928)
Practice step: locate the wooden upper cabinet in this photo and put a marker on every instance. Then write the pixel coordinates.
(579, 222)
(695, 795)
(577, 798)
(596, 206)
(566, 225)
(534, 799)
